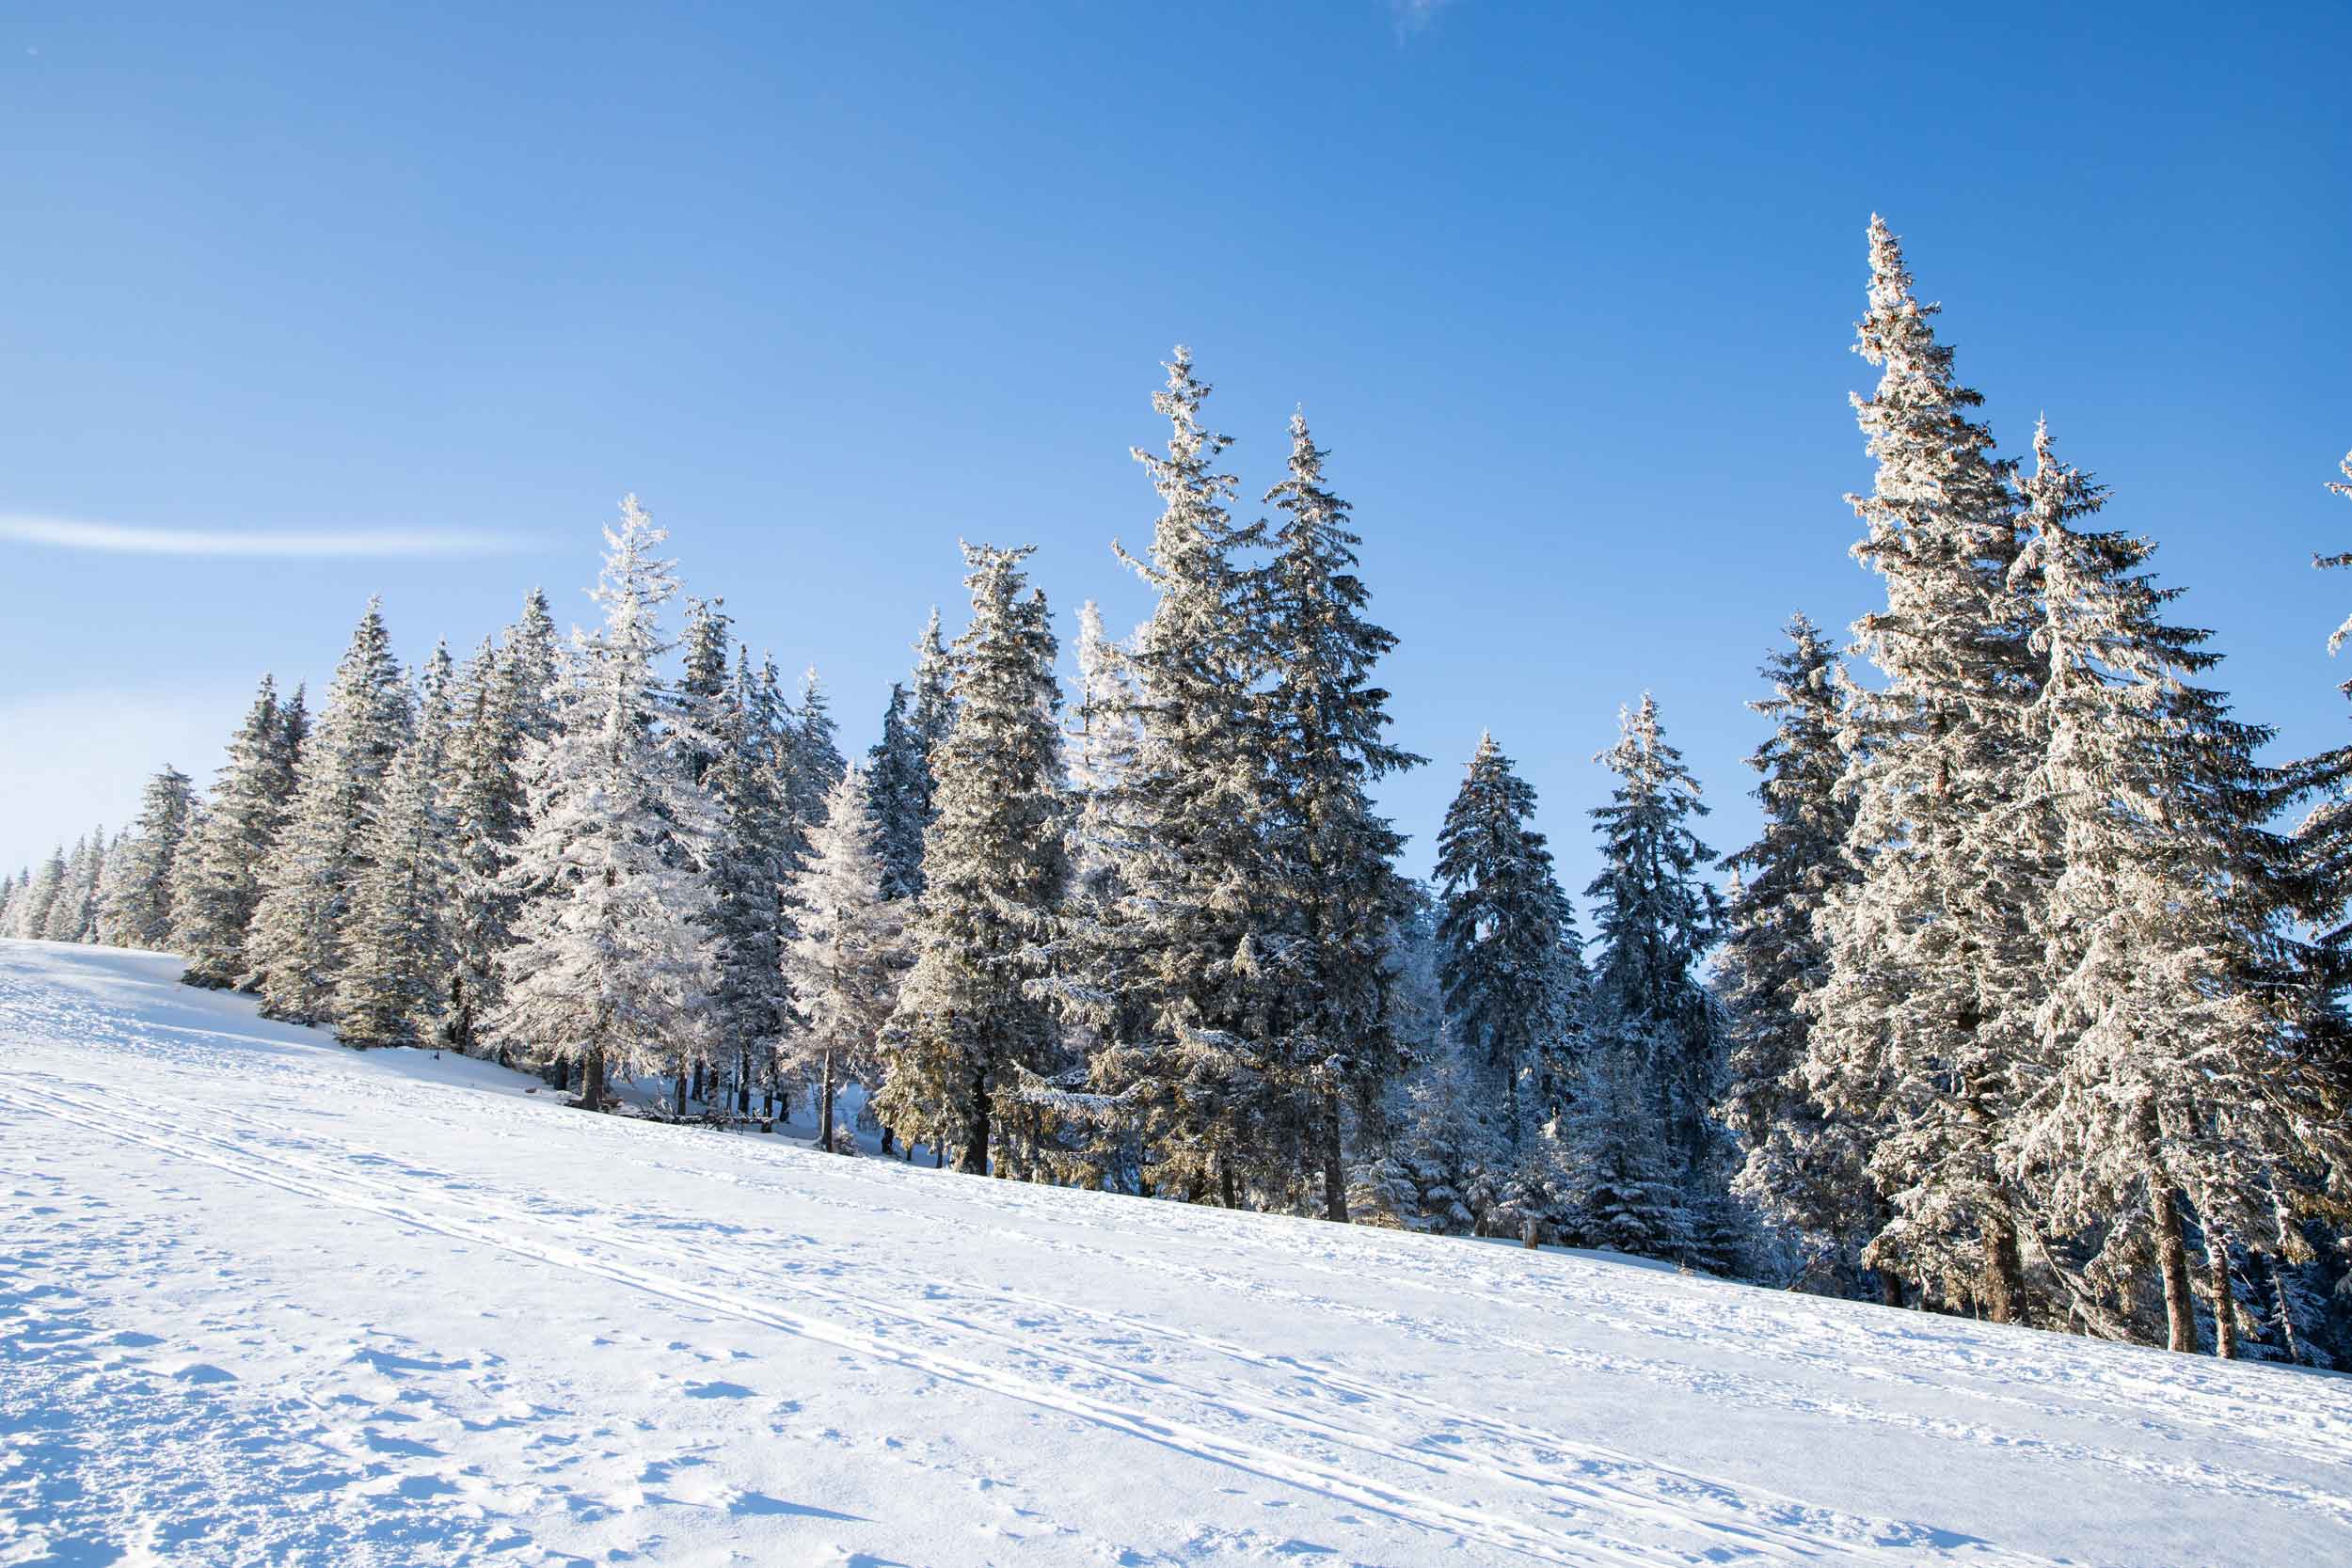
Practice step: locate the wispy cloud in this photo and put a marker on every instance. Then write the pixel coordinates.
(118, 539)
(1411, 16)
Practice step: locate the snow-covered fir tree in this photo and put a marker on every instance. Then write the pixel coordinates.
(848, 953)
(1334, 855)
(613, 963)
(293, 948)
(138, 911)
(967, 1035)
(1169, 978)
(505, 704)
(29, 917)
(1801, 1166)
(216, 879)
(1509, 955)
(931, 703)
(1654, 920)
(78, 912)
(393, 987)
(1935, 969)
(2167, 1082)
(816, 762)
(728, 760)
(897, 780)
(900, 768)
(1098, 748)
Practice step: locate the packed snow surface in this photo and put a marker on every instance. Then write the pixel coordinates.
(263, 1299)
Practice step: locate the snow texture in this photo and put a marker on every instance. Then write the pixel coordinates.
(267, 1300)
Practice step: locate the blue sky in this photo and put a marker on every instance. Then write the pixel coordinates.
(1567, 291)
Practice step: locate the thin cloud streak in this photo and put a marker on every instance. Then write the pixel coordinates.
(1412, 16)
(118, 539)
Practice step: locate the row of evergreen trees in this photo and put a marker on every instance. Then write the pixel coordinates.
(2021, 1005)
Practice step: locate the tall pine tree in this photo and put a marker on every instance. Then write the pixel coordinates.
(1655, 1021)
(137, 909)
(294, 949)
(1801, 1166)
(968, 1033)
(1335, 856)
(848, 953)
(2165, 1078)
(397, 946)
(612, 962)
(1509, 959)
(217, 877)
(1936, 971)
(1170, 978)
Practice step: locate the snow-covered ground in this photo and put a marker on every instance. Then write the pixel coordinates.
(263, 1299)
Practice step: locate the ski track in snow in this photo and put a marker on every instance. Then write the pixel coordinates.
(979, 1371)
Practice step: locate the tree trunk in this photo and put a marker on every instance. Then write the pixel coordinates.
(1225, 1184)
(887, 1140)
(2179, 1305)
(974, 1159)
(824, 1119)
(939, 1151)
(2286, 1315)
(562, 1075)
(1890, 1289)
(2001, 1289)
(592, 1080)
(2224, 1294)
(1334, 1162)
(678, 1094)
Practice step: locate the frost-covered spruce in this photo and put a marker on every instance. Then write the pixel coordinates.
(2170, 1075)
(1654, 919)
(1334, 855)
(29, 915)
(612, 964)
(217, 877)
(898, 783)
(76, 916)
(1509, 960)
(931, 709)
(1801, 1166)
(505, 704)
(294, 949)
(726, 716)
(814, 755)
(136, 912)
(1170, 978)
(1926, 1018)
(848, 953)
(899, 769)
(394, 984)
(967, 1035)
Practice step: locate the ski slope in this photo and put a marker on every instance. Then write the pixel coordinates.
(266, 1300)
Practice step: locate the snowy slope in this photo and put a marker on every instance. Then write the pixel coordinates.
(266, 1300)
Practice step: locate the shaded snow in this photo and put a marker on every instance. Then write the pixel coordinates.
(263, 1299)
